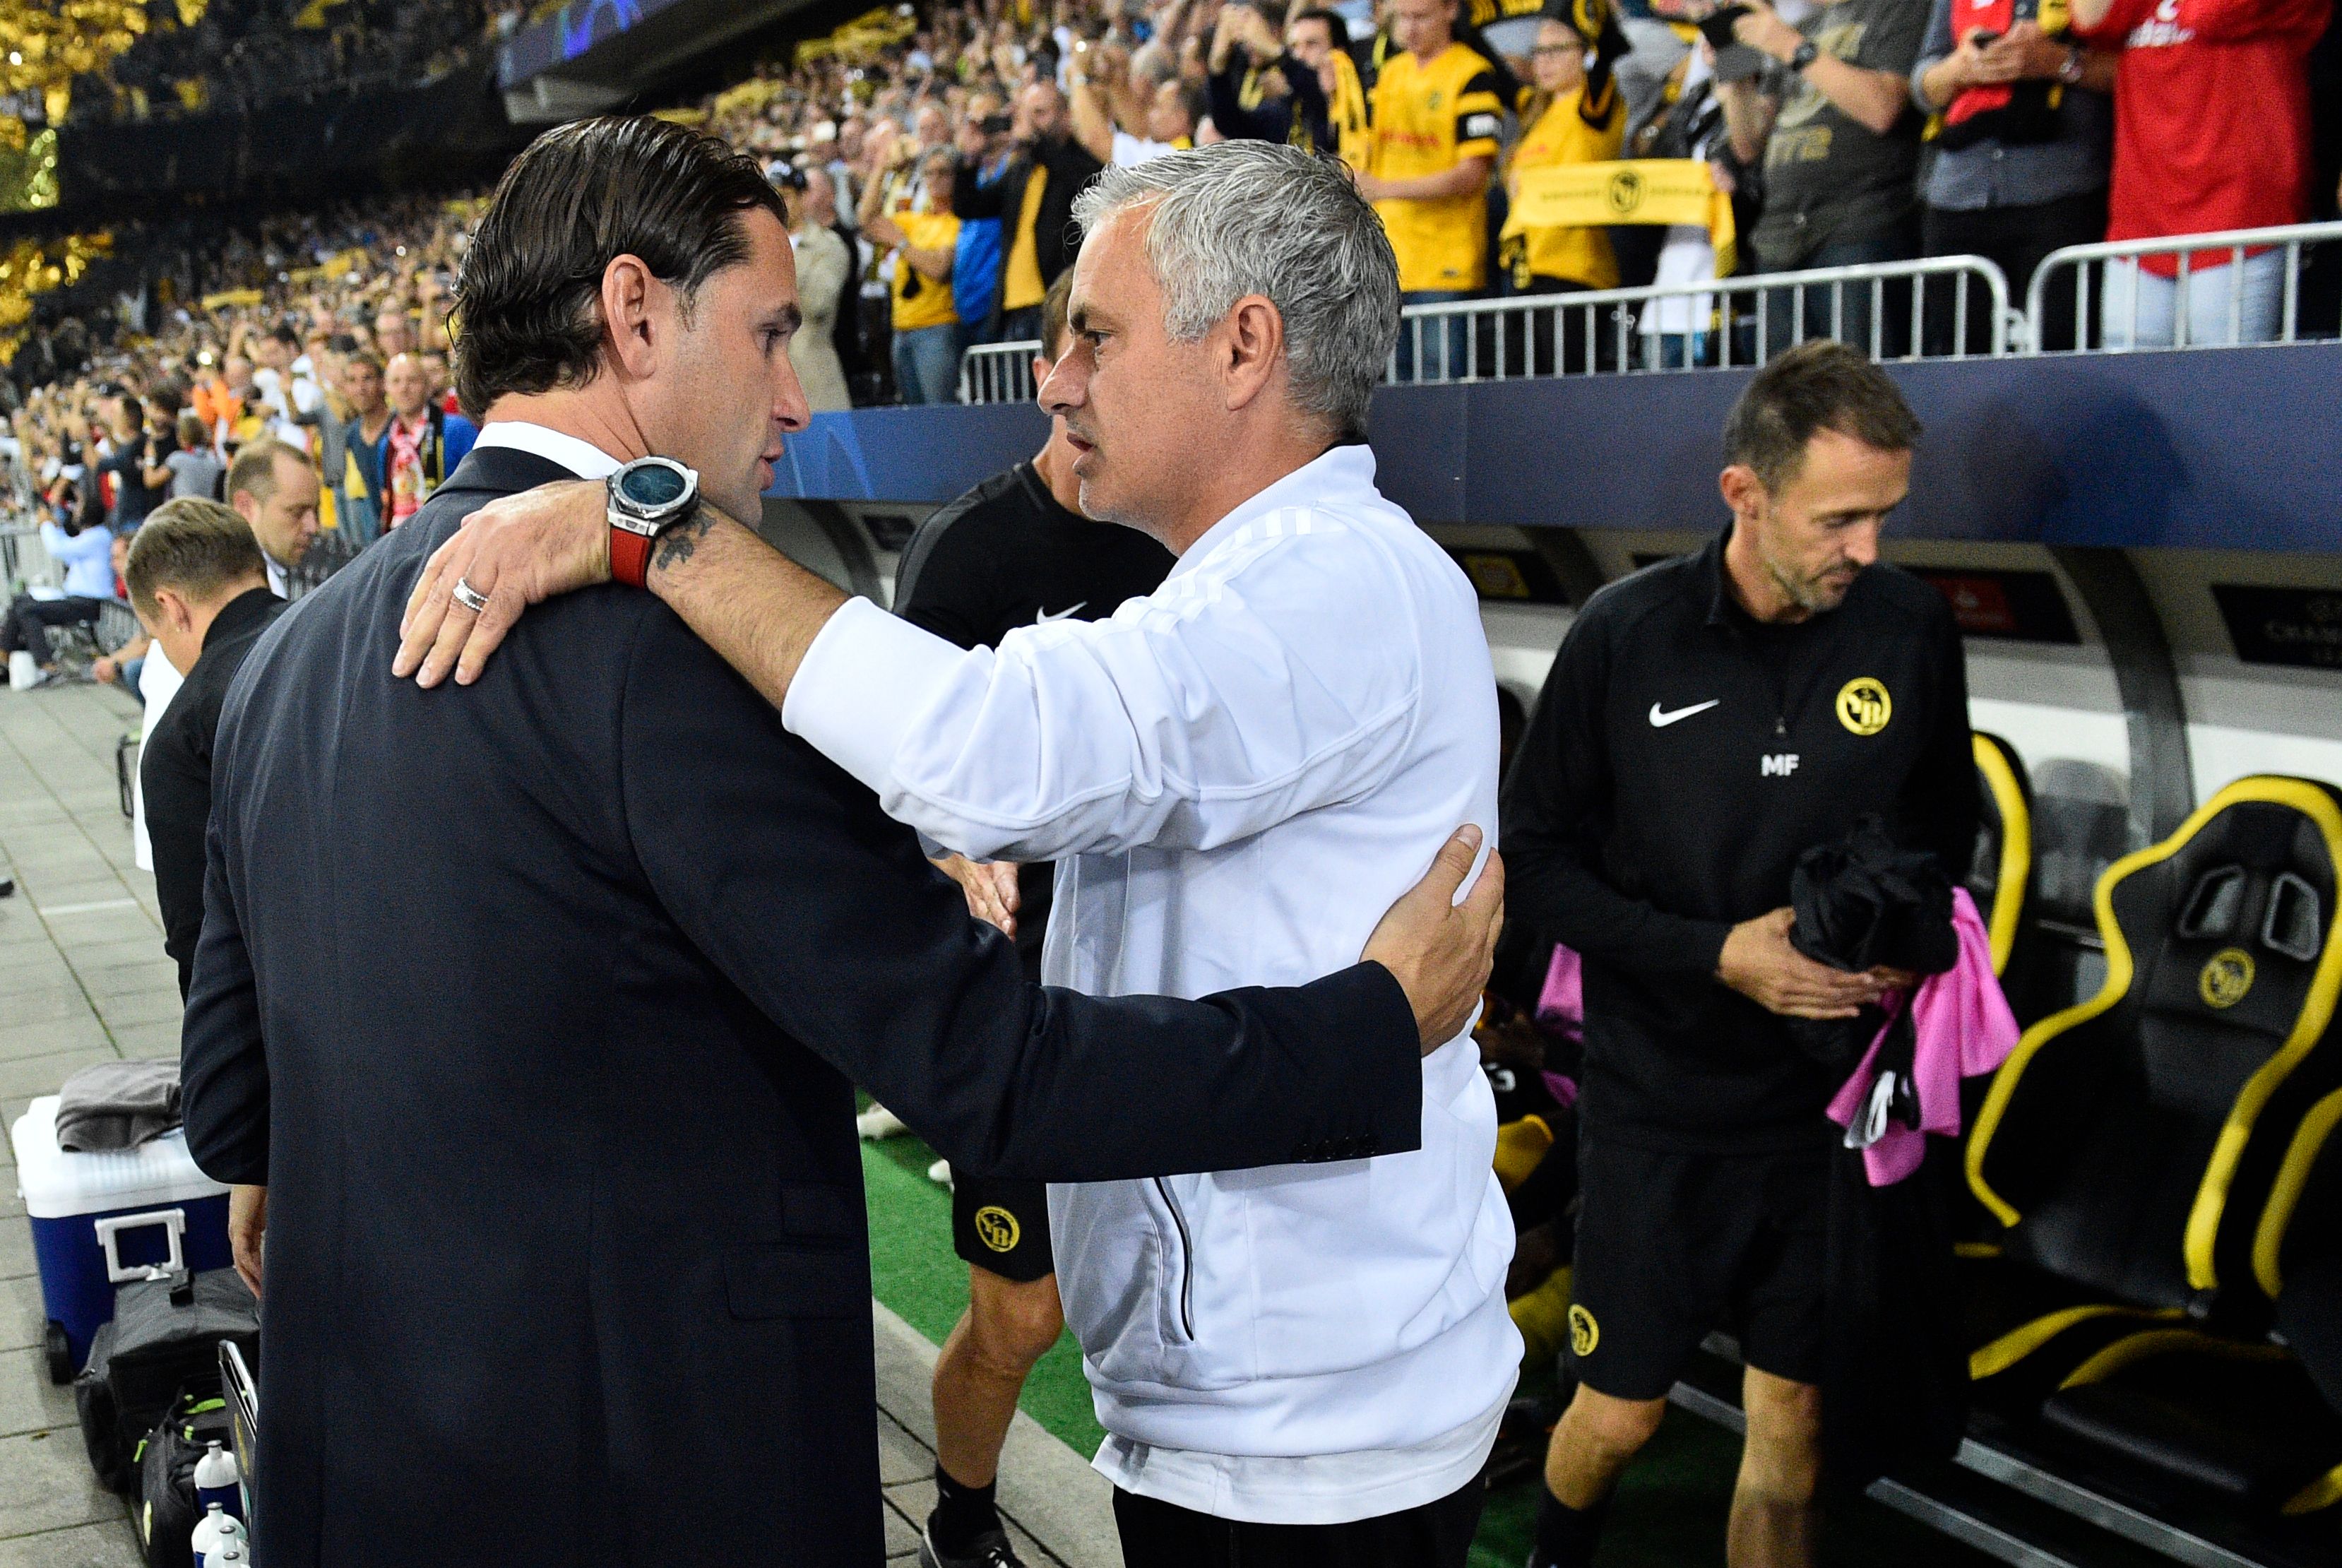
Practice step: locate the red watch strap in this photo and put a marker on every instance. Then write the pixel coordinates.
(630, 557)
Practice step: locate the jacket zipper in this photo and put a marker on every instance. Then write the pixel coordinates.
(1186, 1262)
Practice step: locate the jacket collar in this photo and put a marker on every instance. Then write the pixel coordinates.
(251, 608)
(1711, 576)
(502, 471)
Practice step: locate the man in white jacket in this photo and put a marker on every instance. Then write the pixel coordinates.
(1235, 775)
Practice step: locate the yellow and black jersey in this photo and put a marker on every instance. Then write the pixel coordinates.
(1586, 124)
(1429, 116)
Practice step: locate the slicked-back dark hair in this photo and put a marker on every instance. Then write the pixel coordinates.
(579, 197)
(1816, 386)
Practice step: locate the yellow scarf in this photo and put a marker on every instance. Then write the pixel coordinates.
(1346, 111)
(1635, 191)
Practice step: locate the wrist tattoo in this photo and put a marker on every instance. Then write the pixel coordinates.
(675, 545)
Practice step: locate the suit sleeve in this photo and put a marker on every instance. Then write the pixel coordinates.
(179, 800)
(782, 870)
(223, 1066)
(1556, 815)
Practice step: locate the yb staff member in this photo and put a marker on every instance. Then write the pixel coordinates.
(1016, 551)
(1709, 720)
(1439, 115)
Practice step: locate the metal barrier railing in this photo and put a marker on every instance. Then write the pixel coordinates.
(998, 372)
(1896, 310)
(2116, 265)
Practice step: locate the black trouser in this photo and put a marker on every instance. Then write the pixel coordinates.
(2016, 240)
(27, 623)
(1164, 1536)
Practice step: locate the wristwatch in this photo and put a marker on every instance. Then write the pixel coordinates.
(1805, 55)
(2070, 73)
(647, 497)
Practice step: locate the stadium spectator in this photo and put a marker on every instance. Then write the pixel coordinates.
(984, 147)
(356, 482)
(220, 399)
(1437, 122)
(86, 551)
(2211, 132)
(161, 409)
(274, 488)
(927, 336)
(1574, 115)
(1105, 103)
(1832, 124)
(1302, 90)
(194, 469)
(825, 273)
(196, 578)
(392, 334)
(421, 444)
(2021, 157)
(1035, 201)
(124, 466)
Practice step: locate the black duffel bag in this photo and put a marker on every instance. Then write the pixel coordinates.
(164, 1337)
(165, 1459)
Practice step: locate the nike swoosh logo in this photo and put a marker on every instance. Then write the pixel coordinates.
(1661, 720)
(1044, 617)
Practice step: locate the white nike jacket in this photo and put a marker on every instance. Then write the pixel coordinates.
(1236, 776)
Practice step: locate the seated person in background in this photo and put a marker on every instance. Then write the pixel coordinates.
(198, 579)
(125, 664)
(86, 552)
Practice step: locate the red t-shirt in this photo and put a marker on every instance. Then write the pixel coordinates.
(2211, 116)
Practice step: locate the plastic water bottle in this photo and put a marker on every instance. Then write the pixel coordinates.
(216, 1482)
(206, 1538)
(233, 1533)
(229, 1556)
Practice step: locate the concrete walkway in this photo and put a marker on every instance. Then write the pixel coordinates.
(84, 979)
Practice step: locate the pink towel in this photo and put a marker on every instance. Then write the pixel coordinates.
(1964, 1029)
(1561, 1009)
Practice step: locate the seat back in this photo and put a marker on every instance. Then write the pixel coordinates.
(2000, 877)
(2130, 1142)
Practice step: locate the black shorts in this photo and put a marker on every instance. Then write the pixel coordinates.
(1002, 1224)
(1672, 1246)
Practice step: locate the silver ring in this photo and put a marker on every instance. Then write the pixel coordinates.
(471, 598)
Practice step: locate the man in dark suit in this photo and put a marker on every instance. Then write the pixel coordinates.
(539, 1012)
(200, 586)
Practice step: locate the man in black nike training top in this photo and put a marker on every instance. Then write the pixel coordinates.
(1013, 551)
(1709, 720)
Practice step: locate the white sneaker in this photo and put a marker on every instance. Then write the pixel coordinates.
(879, 1123)
(940, 1173)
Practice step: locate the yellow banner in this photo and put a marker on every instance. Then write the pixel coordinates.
(1592, 196)
(229, 296)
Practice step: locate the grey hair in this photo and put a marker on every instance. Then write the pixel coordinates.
(1248, 217)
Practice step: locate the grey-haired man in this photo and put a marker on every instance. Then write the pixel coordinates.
(1300, 1363)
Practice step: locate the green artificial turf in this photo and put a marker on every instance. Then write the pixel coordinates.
(1670, 1508)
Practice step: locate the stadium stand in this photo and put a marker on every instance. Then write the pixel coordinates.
(2140, 547)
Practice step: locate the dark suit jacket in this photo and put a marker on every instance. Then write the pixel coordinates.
(174, 771)
(535, 1005)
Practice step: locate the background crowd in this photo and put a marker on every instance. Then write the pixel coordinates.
(930, 159)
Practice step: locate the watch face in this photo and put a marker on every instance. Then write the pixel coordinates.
(651, 486)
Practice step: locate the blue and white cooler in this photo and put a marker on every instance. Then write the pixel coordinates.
(100, 1219)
